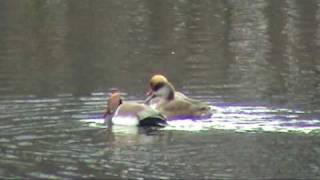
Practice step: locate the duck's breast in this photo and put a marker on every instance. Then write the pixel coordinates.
(126, 114)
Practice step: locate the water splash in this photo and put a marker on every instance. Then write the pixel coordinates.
(249, 119)
(243, 119)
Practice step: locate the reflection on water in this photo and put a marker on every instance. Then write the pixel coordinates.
(255, 62)
(66, 137)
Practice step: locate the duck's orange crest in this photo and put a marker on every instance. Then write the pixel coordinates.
(156, 79)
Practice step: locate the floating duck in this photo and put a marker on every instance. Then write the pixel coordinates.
(131, 113)
(173, 104)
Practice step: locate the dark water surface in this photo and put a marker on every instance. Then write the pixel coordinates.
(256, 61)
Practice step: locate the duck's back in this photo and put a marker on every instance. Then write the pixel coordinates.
(132, 113)
(184, 108)
(129, 109)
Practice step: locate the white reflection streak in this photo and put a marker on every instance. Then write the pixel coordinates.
(247, 119)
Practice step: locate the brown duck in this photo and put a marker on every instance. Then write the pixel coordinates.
(173, 104)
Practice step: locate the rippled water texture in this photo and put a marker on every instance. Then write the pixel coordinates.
(256, 62)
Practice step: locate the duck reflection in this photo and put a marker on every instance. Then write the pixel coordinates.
(134, 135)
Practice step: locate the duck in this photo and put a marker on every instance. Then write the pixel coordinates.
(173, 104)
(119, 112)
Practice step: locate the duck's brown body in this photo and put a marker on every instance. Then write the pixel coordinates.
(181, 108)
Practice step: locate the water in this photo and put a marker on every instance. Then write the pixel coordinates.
(256, 62)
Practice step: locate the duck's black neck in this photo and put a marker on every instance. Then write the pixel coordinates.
(171, 91)
(167, 90)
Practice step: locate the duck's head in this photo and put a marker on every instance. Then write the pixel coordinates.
(159, 86)
(113, 102)
(157, 81)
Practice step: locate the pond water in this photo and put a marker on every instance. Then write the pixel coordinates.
(256, 62)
